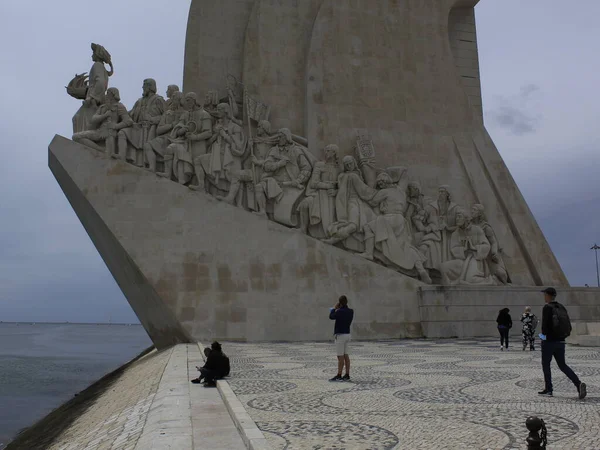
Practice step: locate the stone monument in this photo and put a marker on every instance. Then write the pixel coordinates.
(339, 149)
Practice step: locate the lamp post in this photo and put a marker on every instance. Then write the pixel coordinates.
(596, 248)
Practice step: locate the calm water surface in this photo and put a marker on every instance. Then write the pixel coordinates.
(44, 365)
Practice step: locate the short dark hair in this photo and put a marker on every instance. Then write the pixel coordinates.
(216, 346)
(343, 300)
(207, 350)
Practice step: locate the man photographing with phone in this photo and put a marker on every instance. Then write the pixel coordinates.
(343, 319)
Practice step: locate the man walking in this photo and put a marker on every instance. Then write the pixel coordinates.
(556, 327)
(343, 319)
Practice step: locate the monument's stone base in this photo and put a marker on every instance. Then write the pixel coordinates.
(193, 268)
(461, 311)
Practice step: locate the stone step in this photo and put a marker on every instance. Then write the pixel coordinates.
(588, 340)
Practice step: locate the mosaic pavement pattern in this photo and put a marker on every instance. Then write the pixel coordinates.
(417, 394)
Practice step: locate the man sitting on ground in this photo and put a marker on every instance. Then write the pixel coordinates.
(216, 366)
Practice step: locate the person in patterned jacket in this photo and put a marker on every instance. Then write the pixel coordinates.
(530, 322)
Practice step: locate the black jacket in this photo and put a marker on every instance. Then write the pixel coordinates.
(218, 362)
(504, 318)
(547, 324)
(343, 319)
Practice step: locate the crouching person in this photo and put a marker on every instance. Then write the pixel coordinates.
(216, 366)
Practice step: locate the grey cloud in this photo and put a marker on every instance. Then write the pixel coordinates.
(514, 113)
(514, 119)
(49, 269)
(529, 89)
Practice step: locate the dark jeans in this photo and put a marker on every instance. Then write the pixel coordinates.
(504, 336)
(556, 349)
(209, 375)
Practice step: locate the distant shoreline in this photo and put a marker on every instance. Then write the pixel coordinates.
(70, 323)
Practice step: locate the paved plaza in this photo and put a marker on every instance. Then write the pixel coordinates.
(417, 394)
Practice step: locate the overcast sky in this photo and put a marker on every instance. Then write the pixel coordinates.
(539, 70)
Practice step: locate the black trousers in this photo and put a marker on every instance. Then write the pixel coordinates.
(209, 375)
(556, 350)
(504, 336)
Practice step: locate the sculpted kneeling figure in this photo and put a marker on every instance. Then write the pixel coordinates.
(111, 117)
(389, 232)
(469, 249)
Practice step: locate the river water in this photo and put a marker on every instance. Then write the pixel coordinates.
(44, 365)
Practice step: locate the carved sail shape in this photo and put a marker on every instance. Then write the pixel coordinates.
(194, 268)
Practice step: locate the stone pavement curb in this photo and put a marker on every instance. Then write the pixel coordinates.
(253, 438)
(168, 424)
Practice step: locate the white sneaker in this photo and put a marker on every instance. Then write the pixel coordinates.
(502, 347)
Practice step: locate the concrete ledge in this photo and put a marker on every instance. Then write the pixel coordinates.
(168, 424)
(253, 438)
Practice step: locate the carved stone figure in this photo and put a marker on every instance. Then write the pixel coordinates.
(351, 207)
(227, 149)
(389, 231)
(165, 137)
(440, 223)
(93, 91)
(146, 115)
(285, 172)
(365, 154)
(111, 117)
(191, 138)
(171, 89)
(252, 172)
(415, 206)
(317, 210)
(211, 100)
(469, 251)
(495, 260)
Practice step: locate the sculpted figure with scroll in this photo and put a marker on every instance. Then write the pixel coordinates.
(317, 210)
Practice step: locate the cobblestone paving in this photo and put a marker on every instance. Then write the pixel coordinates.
(451, 394)
(117, 418)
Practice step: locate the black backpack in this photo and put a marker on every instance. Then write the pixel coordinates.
(561, 323)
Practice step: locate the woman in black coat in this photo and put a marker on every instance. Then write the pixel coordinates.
(504, 325)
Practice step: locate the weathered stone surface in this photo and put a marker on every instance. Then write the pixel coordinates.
(462, 311)
(195, 268)
(406, 74)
